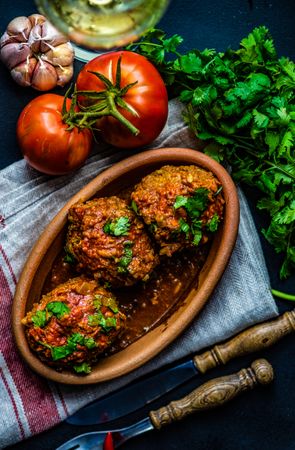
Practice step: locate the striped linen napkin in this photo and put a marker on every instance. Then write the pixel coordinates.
(28, 201)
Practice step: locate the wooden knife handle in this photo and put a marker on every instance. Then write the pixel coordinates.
(214, 393)
(251, 340)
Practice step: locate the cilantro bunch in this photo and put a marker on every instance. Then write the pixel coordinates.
(242, 102)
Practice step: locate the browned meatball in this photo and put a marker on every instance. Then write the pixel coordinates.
(181, 205)
(109, 241)
(73, 324)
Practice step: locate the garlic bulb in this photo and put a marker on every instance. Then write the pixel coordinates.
(36, 53)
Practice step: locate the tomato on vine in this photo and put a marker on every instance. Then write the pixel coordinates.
(47, 139)
(130, 89)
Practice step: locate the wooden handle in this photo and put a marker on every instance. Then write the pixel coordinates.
(214, 393)
(251, 340)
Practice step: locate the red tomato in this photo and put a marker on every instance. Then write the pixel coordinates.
(147, 98)
(43, 137)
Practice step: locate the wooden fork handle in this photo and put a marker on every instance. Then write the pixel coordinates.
(251, 340)
(214, 393)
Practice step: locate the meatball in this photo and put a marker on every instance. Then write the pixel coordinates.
(73, 324)
(109, 241)
(181, 205)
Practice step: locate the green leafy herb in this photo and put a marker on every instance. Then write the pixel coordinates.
(58, 309)
(194, 206)
(69, 257)
(241, 102)
(134, 206)
(109, 302)
(212, 225)
(126, 258)
(89, 343)
(82, 368)
(39, 319)
(184, 227)
(153, 227)
(98, 319)
(63, 351)
(117, 227)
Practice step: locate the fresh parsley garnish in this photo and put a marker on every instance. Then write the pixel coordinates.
(109, 302)
(82, 368)
(62, 351)
(117, 227)
(39, 319)
(58, 309)
(89, 343)
(242, 103)
(194, 206)
(98, 319)
(134, 206)
(212, 225)
(69, 257)
(126, 258)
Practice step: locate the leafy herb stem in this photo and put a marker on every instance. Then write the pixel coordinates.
(265, 161)
(283, 295)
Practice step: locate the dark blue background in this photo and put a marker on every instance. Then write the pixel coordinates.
(265, 417)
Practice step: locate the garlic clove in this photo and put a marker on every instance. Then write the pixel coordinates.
(44, 76)
(22, 73)
(62, 55)
(35, 38)
(6, 39)
(13, 54)
(36, 19)
(64, 74)
(19, 28)
(51, 37)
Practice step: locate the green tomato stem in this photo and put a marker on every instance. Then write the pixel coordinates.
(283, 295)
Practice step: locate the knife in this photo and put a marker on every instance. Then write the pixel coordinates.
(211, 394)
(146, 390)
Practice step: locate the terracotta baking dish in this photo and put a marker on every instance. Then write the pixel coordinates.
(110, 182)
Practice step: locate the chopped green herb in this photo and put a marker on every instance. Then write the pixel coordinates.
(76, 338)
(89, 342)
(98, 319)
(153, 227)
(180, 201)
(194, 206)
(117, 227)
(58, 309)
(197, 237)
(111, 303)
(61, 352)
(82, 368)
(184, 227)
(39, 319)
(98, 300)
(134, 206)
(69, 257)
(126, 258)
(212, 225)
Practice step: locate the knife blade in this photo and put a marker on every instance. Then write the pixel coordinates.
(211, 394)
(133, 396)
(141, 392)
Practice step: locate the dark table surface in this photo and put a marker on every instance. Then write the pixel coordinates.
(264, 417)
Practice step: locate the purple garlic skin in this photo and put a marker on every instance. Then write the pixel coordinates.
(36, 53)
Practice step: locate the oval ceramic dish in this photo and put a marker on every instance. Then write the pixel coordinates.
(110, 182)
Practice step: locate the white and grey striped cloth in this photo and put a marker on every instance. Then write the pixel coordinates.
(28, 201)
